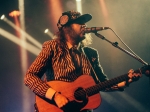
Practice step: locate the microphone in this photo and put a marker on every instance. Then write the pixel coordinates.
(95, 29)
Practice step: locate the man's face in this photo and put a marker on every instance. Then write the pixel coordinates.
(78, 31)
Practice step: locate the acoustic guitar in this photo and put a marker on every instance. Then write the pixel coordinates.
(82, 94)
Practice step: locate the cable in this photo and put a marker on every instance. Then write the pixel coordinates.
(125, 44)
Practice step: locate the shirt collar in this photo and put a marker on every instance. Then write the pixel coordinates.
(70, 46)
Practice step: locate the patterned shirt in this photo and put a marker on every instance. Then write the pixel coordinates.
(56, 62)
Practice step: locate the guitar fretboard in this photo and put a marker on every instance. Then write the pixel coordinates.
(109, 83)
(106, 84)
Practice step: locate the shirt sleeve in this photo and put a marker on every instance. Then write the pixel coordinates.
(36, 71)
(98, 68)
(97, 71)
(102, 77)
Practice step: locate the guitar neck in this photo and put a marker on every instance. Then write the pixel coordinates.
(109, 83)
(106, 84)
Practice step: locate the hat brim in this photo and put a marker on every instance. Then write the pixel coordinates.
(82, 19)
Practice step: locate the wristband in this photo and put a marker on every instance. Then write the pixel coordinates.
(54, 96)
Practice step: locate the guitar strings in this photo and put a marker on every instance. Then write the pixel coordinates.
(98, 87)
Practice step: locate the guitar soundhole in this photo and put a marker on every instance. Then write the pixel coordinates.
(80, 94)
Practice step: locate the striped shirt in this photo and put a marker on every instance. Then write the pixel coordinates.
(57, 64)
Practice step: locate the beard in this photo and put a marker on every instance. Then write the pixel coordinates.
(76, 37)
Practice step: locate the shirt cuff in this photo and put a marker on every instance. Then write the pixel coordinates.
(50, 93)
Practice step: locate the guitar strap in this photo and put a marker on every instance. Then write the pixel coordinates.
(87, 52)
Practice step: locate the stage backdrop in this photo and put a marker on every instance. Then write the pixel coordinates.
(130, 19)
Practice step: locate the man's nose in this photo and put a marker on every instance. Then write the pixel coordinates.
(83, 26)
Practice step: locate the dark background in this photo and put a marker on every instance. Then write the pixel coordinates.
(129, 19)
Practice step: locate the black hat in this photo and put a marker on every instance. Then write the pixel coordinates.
(70, 17)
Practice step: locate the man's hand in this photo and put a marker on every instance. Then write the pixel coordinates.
(133, 76)
(60, 100)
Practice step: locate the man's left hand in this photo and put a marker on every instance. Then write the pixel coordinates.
(133, 76)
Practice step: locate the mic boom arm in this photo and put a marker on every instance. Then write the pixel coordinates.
(115, 44)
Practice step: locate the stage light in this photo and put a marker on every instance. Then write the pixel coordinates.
(55, 13)
(104, 8)
(29, 37)
(79, 6)
(31, 48)
(2, 17)
(49, 33)
(14, 13)
(46, 31)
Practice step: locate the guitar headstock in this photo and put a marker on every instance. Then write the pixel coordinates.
(146, 70)
(136, 74)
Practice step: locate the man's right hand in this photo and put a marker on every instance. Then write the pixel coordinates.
(60, 100)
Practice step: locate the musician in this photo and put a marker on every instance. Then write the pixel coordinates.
(66, 58)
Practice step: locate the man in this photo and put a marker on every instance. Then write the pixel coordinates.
(65, 59)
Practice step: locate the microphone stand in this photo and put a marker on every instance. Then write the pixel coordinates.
(115, 44)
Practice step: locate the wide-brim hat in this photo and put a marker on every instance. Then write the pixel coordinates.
(70, 17)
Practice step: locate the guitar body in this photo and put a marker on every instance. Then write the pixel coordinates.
(68, 89)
